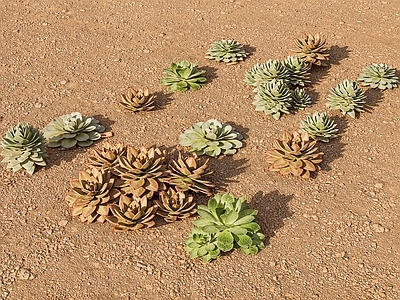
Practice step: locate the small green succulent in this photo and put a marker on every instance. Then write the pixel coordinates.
(273, 98)
(379, 76)
(73, 129)
(228, 51)
(225, 223)
(319, 127)
(260, 74)
(348, 97)
(298, 70)
(183, 75)
(211, 138)
(23, 148)
(300, 99)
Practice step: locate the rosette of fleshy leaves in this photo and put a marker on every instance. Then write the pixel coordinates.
(319, 127)
(294, 154)
(182, 76)
(91, 195)
(74, 129)
(23, 148)
(347, 97)
(132, 213)
(107, 156)
(188, 172)
(300, 99)
(175, 205)
(312, 49)
(229, 51)
(263, 73)
(225, 223)
(136, 100)
(299, 70)
(379, 76)
(211, 138)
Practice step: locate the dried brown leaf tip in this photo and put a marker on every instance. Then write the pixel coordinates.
(294, 154)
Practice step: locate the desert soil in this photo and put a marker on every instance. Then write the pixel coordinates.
(334, 236)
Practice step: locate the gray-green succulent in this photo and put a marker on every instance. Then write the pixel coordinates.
(73, 129)
(263, 73)
(23, 148)
(347, 97)
(229, 51)
(182, 76)
(298, 68)
(211, 138)
(225, 223)
(273, 98)
(319, 127)
(379, 76)
(300, 99)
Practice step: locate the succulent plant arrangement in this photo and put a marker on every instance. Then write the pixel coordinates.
(295, 154)
(347, 97)
(379, 76)
(137, 100)
(211, 138)
(174, 205)
(225, 223)
(182, 76)
(23, 148)
(299, 70)
(312, 49)
(319, 127)
(263, 73)
(228, 51)
(72, 130)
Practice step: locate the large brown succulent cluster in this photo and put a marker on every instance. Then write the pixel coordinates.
(129, 187)
(295, 154)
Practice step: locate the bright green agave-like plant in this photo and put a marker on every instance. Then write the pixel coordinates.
(319, 127)
(228, 51)
(182, 76)
(348, 97)
(23, 148)
(379, 76)
(211, 138)
(73, 129)
(224, 224)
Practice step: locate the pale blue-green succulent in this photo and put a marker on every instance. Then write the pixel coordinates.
(300, 99)
(263, 73)
(23, 148)
(379, 76)
(298, 70)
(319, 127)
(72, 130)
(182, 76)
(228, 51)
(347, 97)
(211, 138)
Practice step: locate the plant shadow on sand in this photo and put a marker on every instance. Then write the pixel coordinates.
(372, 99)
(162, 100)
(272, 209)
(210, 74)
(58, 155)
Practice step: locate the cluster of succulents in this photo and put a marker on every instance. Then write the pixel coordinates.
(128, 187)
(211, 138)
(24, 145)
(182, 76)
(225, 223)
(228, 51)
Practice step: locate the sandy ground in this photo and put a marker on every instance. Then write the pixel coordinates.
(332, 237)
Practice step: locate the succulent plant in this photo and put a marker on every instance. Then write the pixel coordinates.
(300, 99)
(142, 171)
(319, 127)
(294, 154)
(348, 97)
(312, 49)
(211, 138)
(379, 76)
(175, 205)
(298, 70)
(138, 100)
(132, 213)
(23, 148)
(260, 74)
(73, 129)
(273, 98)
(91, 195)
(229, 223)
(228, 51)
(107, 156)
(187, 174)
(201, 244)
(183, 75)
